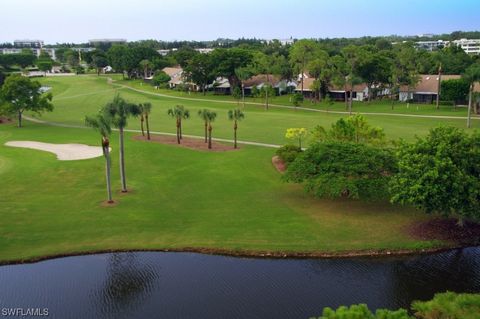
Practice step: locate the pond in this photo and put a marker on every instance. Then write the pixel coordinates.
(190, 285)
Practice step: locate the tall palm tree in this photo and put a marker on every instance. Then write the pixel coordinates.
(119, 111)
(204, 116)
(145, 109)
(471, 75)
(235, 116)
(102, 124)
(211, 117)
(179, 113)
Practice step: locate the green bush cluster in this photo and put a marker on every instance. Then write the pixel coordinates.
(448, 305)
(288, 153)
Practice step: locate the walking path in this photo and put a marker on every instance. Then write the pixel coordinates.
(35, 120)
(296, 108)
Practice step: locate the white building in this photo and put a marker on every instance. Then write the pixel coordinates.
(470, 46)
(28, 43)
(432, 45)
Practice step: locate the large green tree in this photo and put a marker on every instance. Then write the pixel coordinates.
(102, 124)
(21, 94)
(228, 61)
(119, 110)
(199, 70)
(440, 173)
(343, 169)
(301, 53)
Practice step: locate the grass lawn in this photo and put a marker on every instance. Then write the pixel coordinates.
(181, 197)
(74, 97)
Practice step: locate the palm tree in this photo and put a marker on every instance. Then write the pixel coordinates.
(178, 113)
(235, 116)
(145, 109)
(211, 117)
(119, 111)
(102, 124)
(243, 74)
(204, 116)
(146, 65)
(471, 75)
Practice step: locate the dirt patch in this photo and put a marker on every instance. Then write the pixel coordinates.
(446, 229)
(279, 164)
(106, 203)
(5, 120)
(187, 142)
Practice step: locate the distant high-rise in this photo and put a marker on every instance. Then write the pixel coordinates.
(38, 44)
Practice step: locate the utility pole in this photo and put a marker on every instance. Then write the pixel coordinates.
(439, 85)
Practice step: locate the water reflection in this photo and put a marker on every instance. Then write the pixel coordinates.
(180, 285)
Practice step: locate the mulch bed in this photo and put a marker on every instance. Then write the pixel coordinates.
(5, 120)
(279, 164)
(187, 142)
(446, 229)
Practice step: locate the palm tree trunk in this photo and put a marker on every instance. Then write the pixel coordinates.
(235, 134)
(141, 124)
(106, 152)
(266, 91)
(243, 95)
(469, 106)
(210, 136)
(19, 118)
(346, 96)
(148, 127)
(206, 134)
(122, 162)
(178, 131)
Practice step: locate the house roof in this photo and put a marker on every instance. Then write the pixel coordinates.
(428, 83)
(307, 84)
(173, 72)
(260, 79)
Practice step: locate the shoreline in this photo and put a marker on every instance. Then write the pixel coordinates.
(368, 253)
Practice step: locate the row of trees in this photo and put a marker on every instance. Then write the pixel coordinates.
(116, 114)
(180, 113)
(439, 173)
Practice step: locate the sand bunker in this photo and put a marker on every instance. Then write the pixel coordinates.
(64, 152)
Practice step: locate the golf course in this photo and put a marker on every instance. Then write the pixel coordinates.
(186, 199)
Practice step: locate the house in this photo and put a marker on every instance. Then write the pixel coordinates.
(360, 91)
(426, 90)
(177, 78)
(259, 81)
(175, 74)
(220, 86)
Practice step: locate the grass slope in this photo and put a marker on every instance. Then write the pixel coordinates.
(180, 198)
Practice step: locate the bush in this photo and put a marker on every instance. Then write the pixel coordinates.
(288, 153)
(297, 99)
(449, 305)
(160, 78)
(340, 169)
(361, 311)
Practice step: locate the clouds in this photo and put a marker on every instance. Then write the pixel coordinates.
(78, 21)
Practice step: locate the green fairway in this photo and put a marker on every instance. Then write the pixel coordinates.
(182, 198)
(74, 97)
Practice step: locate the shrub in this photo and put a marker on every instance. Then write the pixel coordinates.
(288, 153)
(160, 78)
(449, 305)
(297, 99)
(341, 169)
(361, 311)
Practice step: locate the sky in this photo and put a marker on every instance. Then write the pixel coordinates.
(78, 21)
